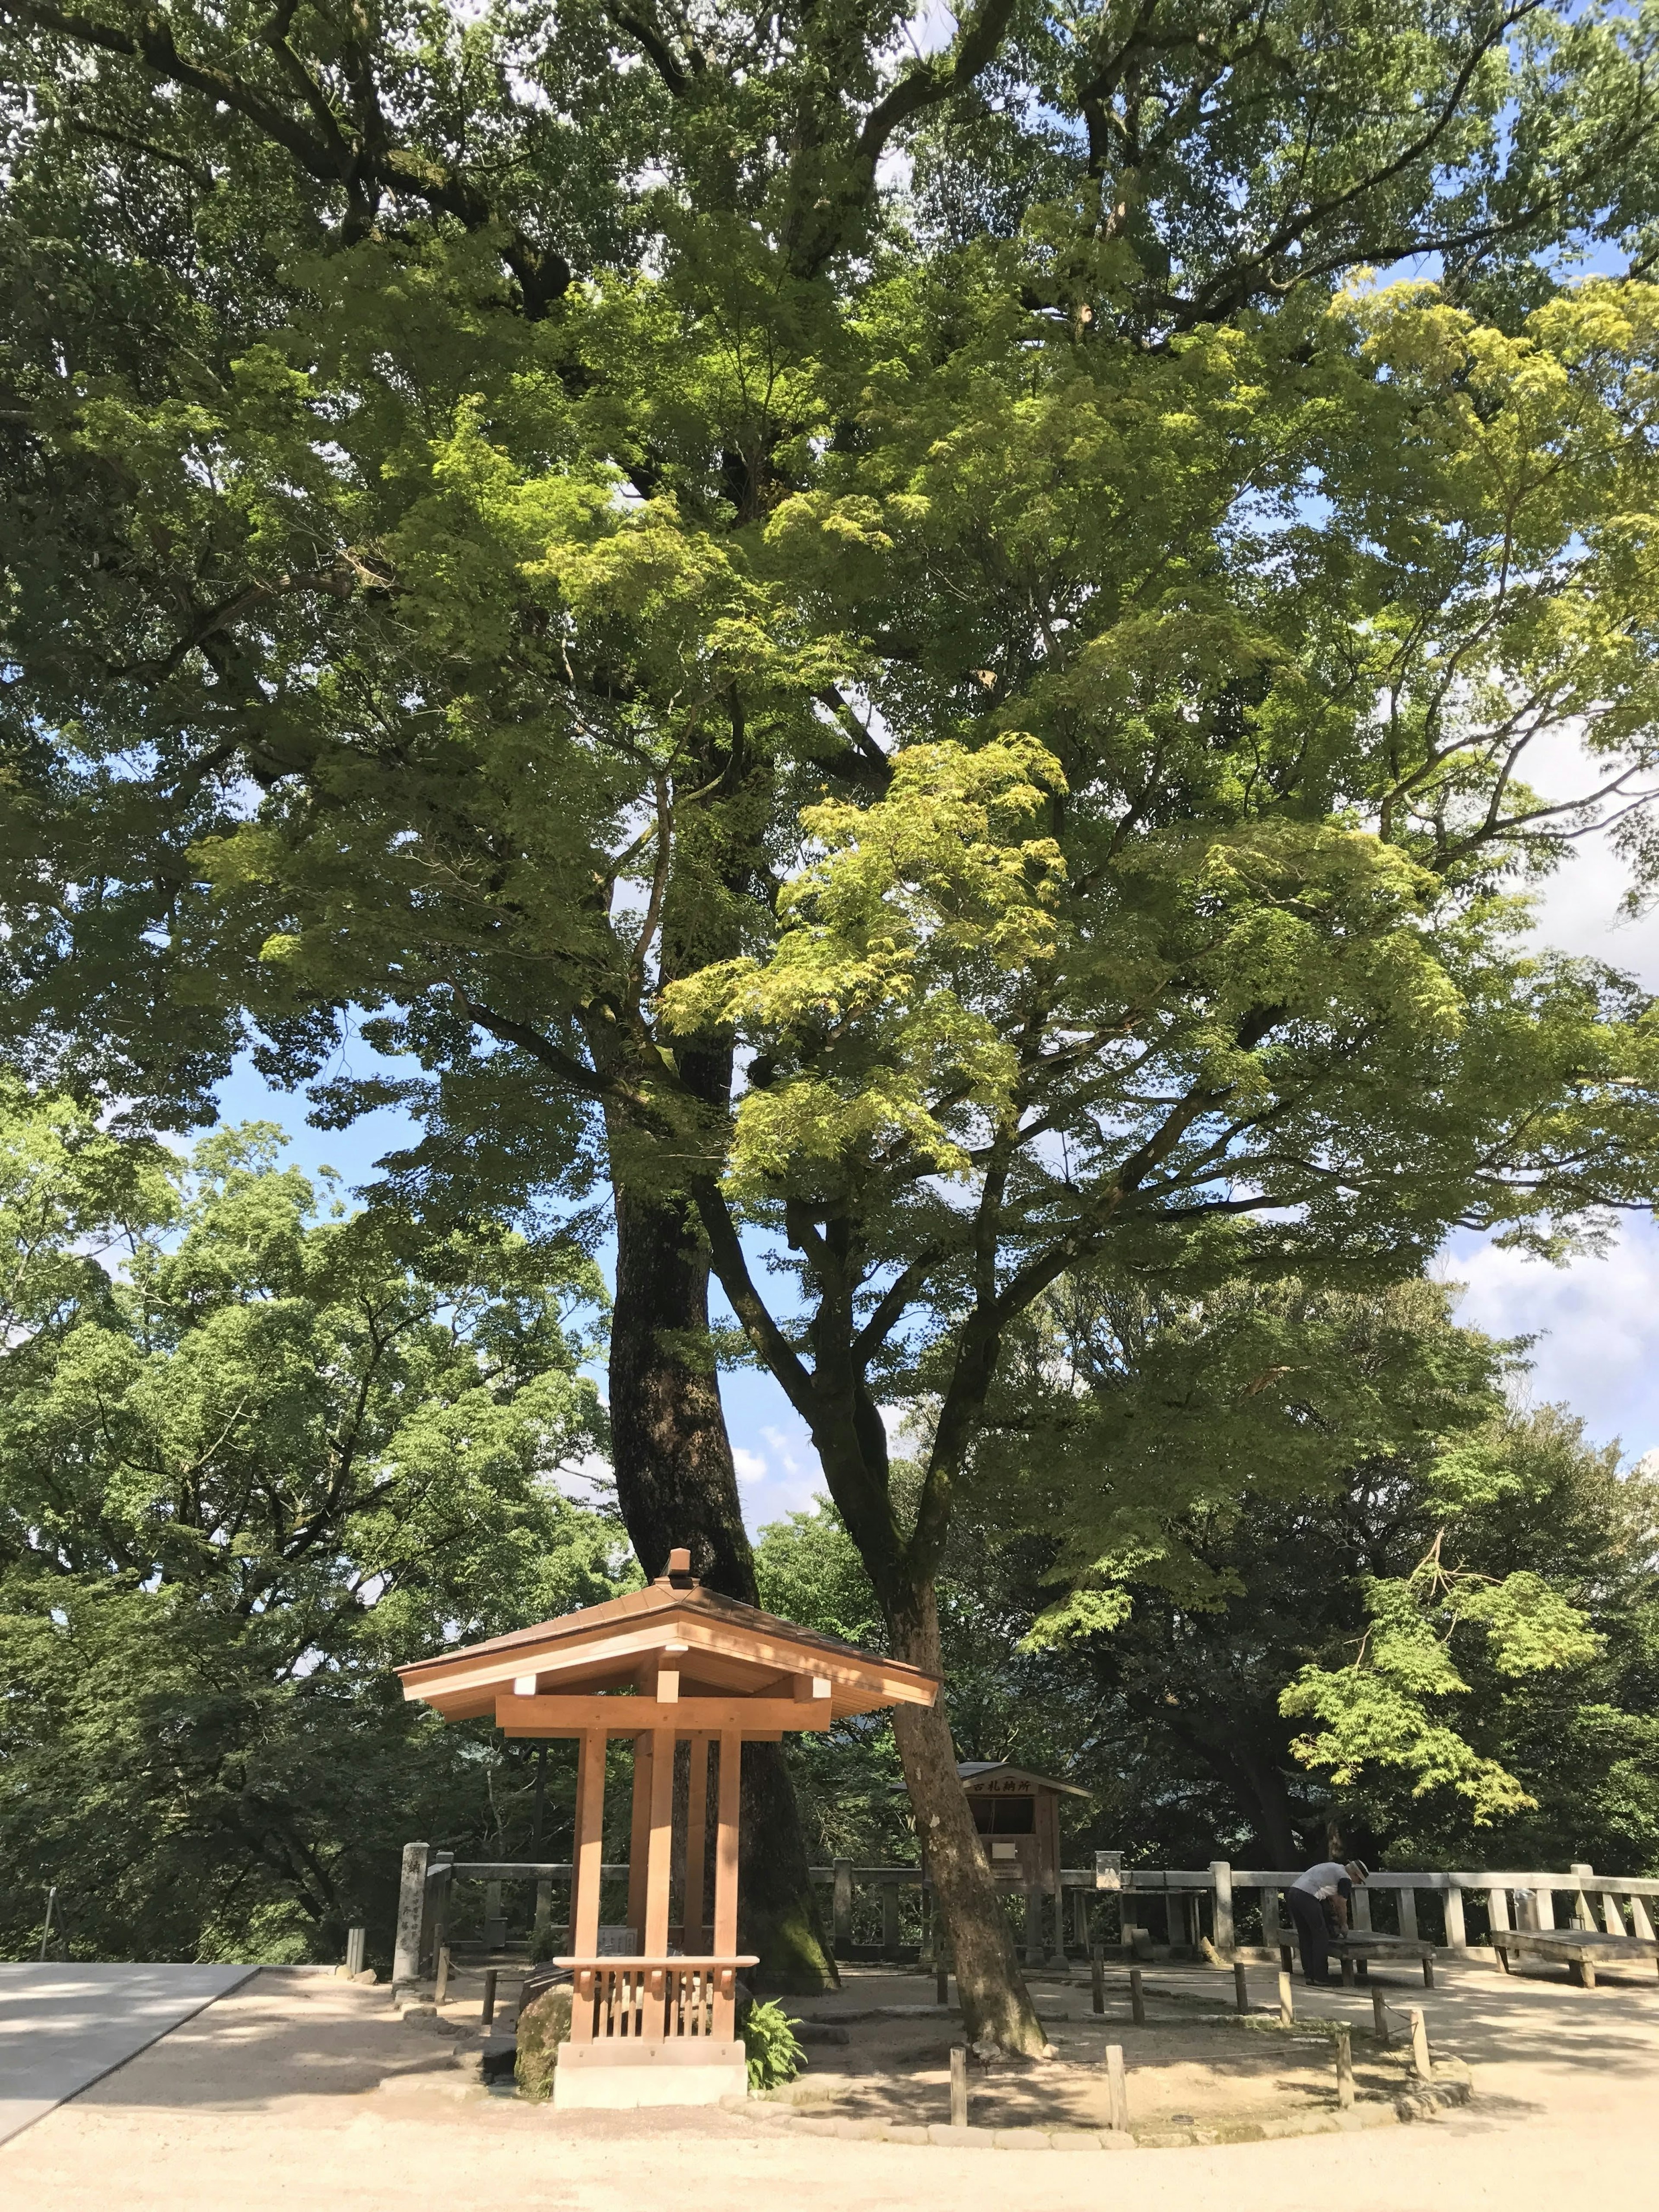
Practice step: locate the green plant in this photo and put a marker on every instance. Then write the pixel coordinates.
(770, 2047)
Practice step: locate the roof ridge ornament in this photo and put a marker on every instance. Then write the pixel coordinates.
(679, 1575)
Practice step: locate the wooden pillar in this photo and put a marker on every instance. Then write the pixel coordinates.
(696, 1841)
(890, 1920)
(1498, 1908)
(659, 1843)
(1457, 1934)
(586, 1858)
(1639, 1919)
(1582, 1915)
(1408, 1903)
(639, 1835)
(1221, 1874)
(725, 1874)
(1034, 1924)
(1362, 1907)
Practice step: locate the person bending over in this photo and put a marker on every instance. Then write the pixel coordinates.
(1319, 1905)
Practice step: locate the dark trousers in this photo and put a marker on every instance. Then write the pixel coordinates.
(1312, 1936)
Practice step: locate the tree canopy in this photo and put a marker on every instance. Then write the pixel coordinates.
(249, 1459)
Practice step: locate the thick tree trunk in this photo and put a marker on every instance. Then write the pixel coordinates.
(996, 2007)
(676, 1484)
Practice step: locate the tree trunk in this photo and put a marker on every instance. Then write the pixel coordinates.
(676, 1484)
(996, 2006)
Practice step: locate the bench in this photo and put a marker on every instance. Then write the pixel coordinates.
(1580, 1950)
(1359, 1947)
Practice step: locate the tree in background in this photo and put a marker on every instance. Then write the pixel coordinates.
(1163, 1692)
(250, 1458)
(477, 478)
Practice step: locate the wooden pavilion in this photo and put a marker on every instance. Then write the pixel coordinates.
(668, 1664)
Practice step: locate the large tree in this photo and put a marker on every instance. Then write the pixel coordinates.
(477, 480)
(249, 1458)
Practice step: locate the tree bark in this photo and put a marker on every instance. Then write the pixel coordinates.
(676, 1484)
(996, 2006)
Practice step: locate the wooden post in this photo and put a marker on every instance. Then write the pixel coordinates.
(1241, 1987)
(1270, 1918)
(696, 1841)
(487, 2013)
(441, 1988)
(639, 1835)
(958, 2085)
(1117, 2090)
(1343, 2070)
(1360, 1904)
(1422, 2064)
(1136, 1999)
(411, 1914)
(843, 1907)
(1407, 1903)
(1456, 1933)
(1640, 1923)
(1380, 2019)
(1543, 1907)
(725, 1874)
(659, 1843)
(1097, 1979)
(1286, 2000)
(1080, 1920)
(1498, 1908)
(494, 1918)
(890, 1920)
(1612, 1919)
(1582, 1915)
(586, 1858)
(356, 1944)
(1221, 1874)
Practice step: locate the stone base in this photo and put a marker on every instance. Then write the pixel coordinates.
(617, 2074)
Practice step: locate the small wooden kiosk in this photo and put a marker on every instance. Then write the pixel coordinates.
(1017, 1816)
(669, 1664)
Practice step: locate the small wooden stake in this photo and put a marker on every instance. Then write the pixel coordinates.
(1422, 2065)
(488, 2012)
(1241, 1987)
(1380, 2019)
(1117, 2090)
(1137, 1997)
(1286, 2000)
(440, 1993)
(958, 2085)
(1097, 1980)
(1343, 2070)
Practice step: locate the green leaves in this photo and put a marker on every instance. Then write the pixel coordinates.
(246, 1464)
(1384, 1709)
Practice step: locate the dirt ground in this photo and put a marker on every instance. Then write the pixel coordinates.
(273, 2099)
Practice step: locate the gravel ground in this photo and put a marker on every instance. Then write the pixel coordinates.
(273, 2098)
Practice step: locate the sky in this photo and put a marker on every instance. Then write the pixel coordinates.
(1596, 1320)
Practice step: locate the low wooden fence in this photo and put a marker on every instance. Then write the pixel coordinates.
(886, 1911)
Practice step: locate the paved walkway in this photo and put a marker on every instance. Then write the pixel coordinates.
(272, 2100)
(62, 2028)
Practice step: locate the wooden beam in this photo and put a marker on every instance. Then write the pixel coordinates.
(588, 1871)
(659, 1844)
(810, 1688)
(575, 1715)
(696, 1841)
(639, 1836)
(725, 1869)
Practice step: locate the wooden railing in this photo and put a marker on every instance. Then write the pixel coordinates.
(654, 2000)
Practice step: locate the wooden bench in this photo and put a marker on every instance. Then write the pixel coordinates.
(1359, 1947)
(1580, 1950)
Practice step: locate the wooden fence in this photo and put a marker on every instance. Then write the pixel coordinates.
(886, 1911)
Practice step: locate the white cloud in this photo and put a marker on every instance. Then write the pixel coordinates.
(750, 1467)
(1596, 1321)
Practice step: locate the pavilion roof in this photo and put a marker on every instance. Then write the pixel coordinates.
(720, 1647)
